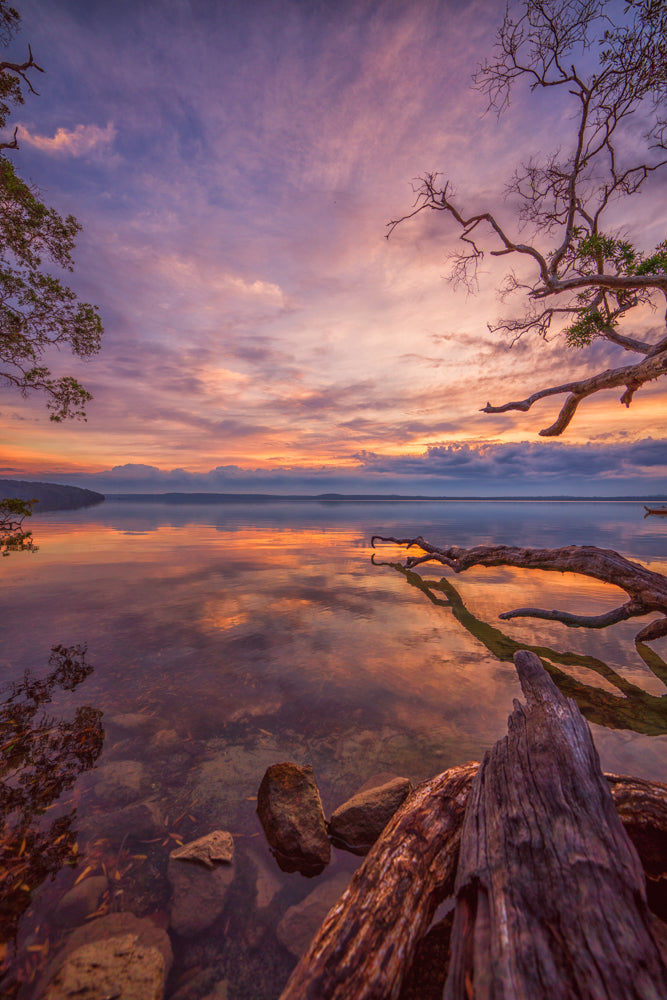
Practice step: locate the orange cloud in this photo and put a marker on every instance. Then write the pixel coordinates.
(80, 141)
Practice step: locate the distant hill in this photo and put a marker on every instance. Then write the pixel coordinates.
(51, 496)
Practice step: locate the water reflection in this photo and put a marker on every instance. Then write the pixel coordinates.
(630, 707)
(41, 758)
(228, 638)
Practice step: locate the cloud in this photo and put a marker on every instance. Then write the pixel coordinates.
(79, 141)
(519, 469)
(525, 461)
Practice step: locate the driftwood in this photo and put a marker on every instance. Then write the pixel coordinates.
(551, 899)
(365, 948)
(647, 590)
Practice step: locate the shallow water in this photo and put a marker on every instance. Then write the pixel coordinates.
(224, 638)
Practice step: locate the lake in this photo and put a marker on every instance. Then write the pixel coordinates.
(222, 638)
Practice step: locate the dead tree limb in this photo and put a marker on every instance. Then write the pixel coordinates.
(550, 893)
(647, 590)
(630, 376)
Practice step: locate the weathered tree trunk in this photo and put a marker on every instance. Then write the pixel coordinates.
(344, 961)
(365, 946)
(551, 900)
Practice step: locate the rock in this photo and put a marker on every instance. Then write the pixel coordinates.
(118, 955)
(290, 811)
(214, 847)
(229, 778)
(200, 874)
(132, 720)
(120, 781)
(139, 820)
(219, 992)
(301, 922)
(166, 739)
(82, 899)
(267, 884)
(358, 823)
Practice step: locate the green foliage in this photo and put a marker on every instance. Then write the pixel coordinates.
(12, 536)
(596, 253)
(37, 310)
(584, 330)
(13, 510)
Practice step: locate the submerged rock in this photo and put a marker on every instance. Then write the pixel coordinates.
(118, 955)
(358, 823)
(132, 720)
(290, 811)
(267, 883)
(301, 922)
(200, 874)
(166, 739)
(139, 820)
(82, 899)
(226, 781)
(120, 781)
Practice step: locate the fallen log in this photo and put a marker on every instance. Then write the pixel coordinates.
(366, 946)
(551, 900)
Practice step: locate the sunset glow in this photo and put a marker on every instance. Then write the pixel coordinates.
(234, 167)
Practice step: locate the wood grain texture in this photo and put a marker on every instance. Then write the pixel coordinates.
(550, 892)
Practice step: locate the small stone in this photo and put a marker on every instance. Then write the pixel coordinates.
(300, 923)
(214, 847)
(166, 739)
(358, 823)
(290, 811)
(200, 874)
(82, 899)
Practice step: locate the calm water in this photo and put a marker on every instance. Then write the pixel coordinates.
(224, 638)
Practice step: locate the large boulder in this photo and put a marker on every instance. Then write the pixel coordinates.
(358, 823)
(200, 874)
(290, 811)
(119, 955)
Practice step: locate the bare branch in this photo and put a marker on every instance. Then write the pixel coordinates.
(629, 610)
(616, 75)
(21, 69)
(647, 590)
(632, 377)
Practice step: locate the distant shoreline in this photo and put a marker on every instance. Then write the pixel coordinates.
(260, 498)
(53, 497)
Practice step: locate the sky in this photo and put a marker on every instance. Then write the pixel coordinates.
(234, 166)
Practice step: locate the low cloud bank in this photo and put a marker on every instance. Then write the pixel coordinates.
(522, 469)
